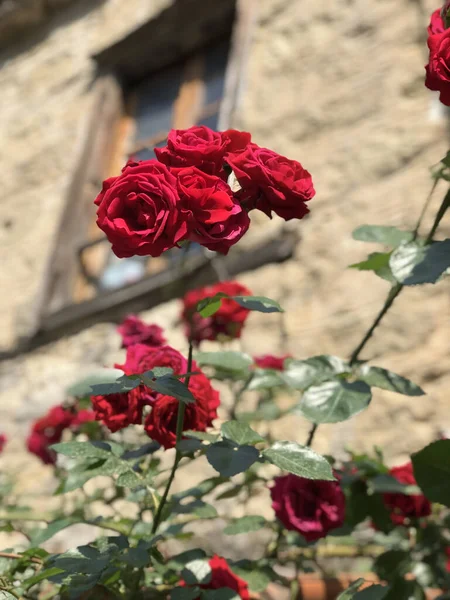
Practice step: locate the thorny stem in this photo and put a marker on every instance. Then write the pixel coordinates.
(395, 291)
(178, 455)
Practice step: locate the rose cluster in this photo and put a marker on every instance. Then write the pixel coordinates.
(227, 323)
(118, 411)
(438, 67)
(184, 195)
(50, 428)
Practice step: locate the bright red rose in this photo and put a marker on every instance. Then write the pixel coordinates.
(215, 219)
(82, 417)
(436, 23)
(223, 577)
(227, 322)
(201, 147)
(271, 182)
(134, 331)
(206, 397)
(3, 440)
(48, 430)
(117, 411)
(161, 423)
(268, 361)
(139, 210)
(403, 507)
(438, 67)
(313, 508)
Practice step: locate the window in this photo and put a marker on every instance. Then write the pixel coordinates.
(179, 96)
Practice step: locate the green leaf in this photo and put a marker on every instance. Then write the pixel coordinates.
(185, 593)
(208, 306)
(301, 374)
(229, 459)
(121, 385)
(258, 303)
(334, 401)
(386, 484)
(299, 460)
(374, 592)
(4, 595)
(257, 577)
(378, 262)
(241, 433)
(228, 360)
(348, 594)
(382, 234)
(224, 593)
(80, 450)
(432, 471)
(201, 435)
(413, 264)
(42, 576)
(189, 446)
(129, 479)
(197, 507)
(178, 561)
(42, 535)
(386, 380)
(404, 590)
(197, 571)
(83, 387)
(265, 379)
(169, 385)
(245, 525)
(392, 564)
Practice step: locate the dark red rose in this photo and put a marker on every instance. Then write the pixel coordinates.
(48, 430)
(271, 182)
(161, 423)
(436, 23)
(223, 577)
(447, 565)
(201, 147)
(117, 411)
(403, 507)
(3, 440)
(438, 67)
(268, 361)
(206, 397)
(139, 210)
(215, 219)
(134, 331)
(313, 508)
(227, 322)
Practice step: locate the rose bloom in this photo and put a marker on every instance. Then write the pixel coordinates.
(268, 361)
(201, 147)
(48, 430)
(227, 322)
(271, 182)
(161, 423)
(404, 508)
(139, 210)
(436, 22)
(438, 67)
(117, 411)
(3, 440)
(223, 577)
(216, 220)
(81, 417)
(134, 331)
(313, 508)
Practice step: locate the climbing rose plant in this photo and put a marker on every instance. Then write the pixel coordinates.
(139, 423)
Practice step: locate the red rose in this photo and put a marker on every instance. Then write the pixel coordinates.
(82, 417)
(200, 147)
(313, 508)
(134, 331)
(438, 67)
(215, 219)
(227, 322)
(206, 397)
(268, 361)
(403, 507)
(436, 23)
(3, 440)
(117, 411)
(447, 564)
(271, 182)
(48, 430)
(223, 577)
(139, 210)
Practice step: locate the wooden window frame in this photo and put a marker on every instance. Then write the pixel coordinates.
(107, 125)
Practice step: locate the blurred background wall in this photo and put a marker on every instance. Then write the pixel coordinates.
(337, 86)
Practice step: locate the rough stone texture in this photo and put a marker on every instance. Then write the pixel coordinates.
(339, 87)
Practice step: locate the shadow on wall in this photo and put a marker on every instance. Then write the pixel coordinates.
(25, 24)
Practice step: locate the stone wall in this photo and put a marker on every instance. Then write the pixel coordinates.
(339, 87)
